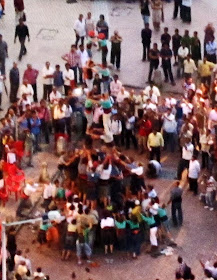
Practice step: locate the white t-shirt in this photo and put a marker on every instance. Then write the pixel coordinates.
(187, 108)
(55, 97)
(121, 96)
(79, 27)
(49, 191)
(194, 169)
(187, 3)
(46, 72)
(27, 90)
(157, 166)
(115, 87)
(108, 222)
(187, 151)
(68, 76)
(154, 89)
(83, 57)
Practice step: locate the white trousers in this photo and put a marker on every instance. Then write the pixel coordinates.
(153, 236)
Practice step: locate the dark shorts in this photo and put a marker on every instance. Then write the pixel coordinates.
(108, 236)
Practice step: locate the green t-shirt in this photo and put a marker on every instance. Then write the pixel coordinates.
(162, 212)
(121, 225)
(149, 220)
(132, 224)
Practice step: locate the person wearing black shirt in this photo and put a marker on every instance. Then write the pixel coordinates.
(166, 55)
(21, 32)
(14, 82)
(145, 12)
(165, 37)
(154, 55)
(176, 43)
(146, 40)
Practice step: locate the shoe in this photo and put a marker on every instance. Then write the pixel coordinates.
(30, 165)
(173, 83)
(166, 81)
(206, 207)
(211, 209)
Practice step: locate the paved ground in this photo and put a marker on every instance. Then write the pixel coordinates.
(50, 23)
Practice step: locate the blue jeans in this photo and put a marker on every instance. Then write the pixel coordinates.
(83, 247)
(145, 18)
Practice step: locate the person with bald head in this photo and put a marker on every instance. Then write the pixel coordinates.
(31, 75)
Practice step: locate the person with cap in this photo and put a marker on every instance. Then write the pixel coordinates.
(22, 32)
(176, 203)
(31, 75)
(3, 54)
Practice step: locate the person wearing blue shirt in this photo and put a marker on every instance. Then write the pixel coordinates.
(35, 123)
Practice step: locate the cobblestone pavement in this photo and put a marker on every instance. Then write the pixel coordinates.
(51, 28)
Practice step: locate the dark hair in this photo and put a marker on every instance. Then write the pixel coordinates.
(87, 211)
(180, 260)
(178, 275)
(207, 273)
(38, 269)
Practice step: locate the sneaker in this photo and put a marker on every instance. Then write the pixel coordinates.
(211, 209)
(206, 207)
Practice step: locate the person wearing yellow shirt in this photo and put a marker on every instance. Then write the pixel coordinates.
(154, 144)
(205, 70)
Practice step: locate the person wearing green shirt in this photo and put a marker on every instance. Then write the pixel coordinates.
(186, 40)
(162, 213)
(149, 219)
(135, 236)
(120, 224)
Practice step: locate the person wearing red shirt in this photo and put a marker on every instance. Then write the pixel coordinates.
(19, 9)
(145, 128)
(31, 75)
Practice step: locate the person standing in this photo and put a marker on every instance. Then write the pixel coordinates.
(209, 34)
(177, 8)
(145, 12)
(195, 48)
(102, 26)
(155, 143)
(19, 9)
(186, 10)
(176, 201)
(205, 70)
(69, 79)
(154, 55)
(31, 75)
(189, 67)
(58, 79)
(146, 41)
(157, 8)
(80, 30)
(89, 24)
(21, 32)
(176, 43)
(14, 77)
(169, 130)
(165, 37)
(166, 55)
(3, 54)
(35, 123)
(73, 58)
(2, 78)
(116, 40)
(211, 48)
(193, 174)
(47, 74)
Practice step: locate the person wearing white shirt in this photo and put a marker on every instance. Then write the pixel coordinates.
(152, 90)
(116, 129)
(107, 226)
(187, 107)
(187, 154)
(83, 56)
(183, 51)
(189, 67)
(24, 101)
(59, 117)
(47, 74)
(212, 122)
(80, 29)
(123, 94)
(115, 86)
(130, 131)
(186, 10)
(27, 89)
(69, 78)
(48, 194)
(55, 96)
(169, 130)
(170, 102)
(188, 85)
(193, 174)
(149, 106)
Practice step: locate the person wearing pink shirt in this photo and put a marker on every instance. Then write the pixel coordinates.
(31, 75)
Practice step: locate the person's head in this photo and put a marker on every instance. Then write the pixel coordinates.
(186, 33)
(165, 46)
(14, 65)
(89, 15)
(146, 25)
(67, 66)
(29, 66)
(204, 59)
(87, 211)
(188, 56)
(81, 47)
(73, 48)
(0, 37)
(39, 269)
(57, 67)
(47, 64)
(176, 31)
(178, 276)
(21, 22)
(102, 17)
(183, 45)
(207, 273)
(55, 89)
(155, 46)
(195, 34)
(180, 260)
(115, 77)
(80, 17)
(166, 30)
(154, 131)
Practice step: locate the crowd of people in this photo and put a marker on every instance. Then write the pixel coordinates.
(99, 194)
